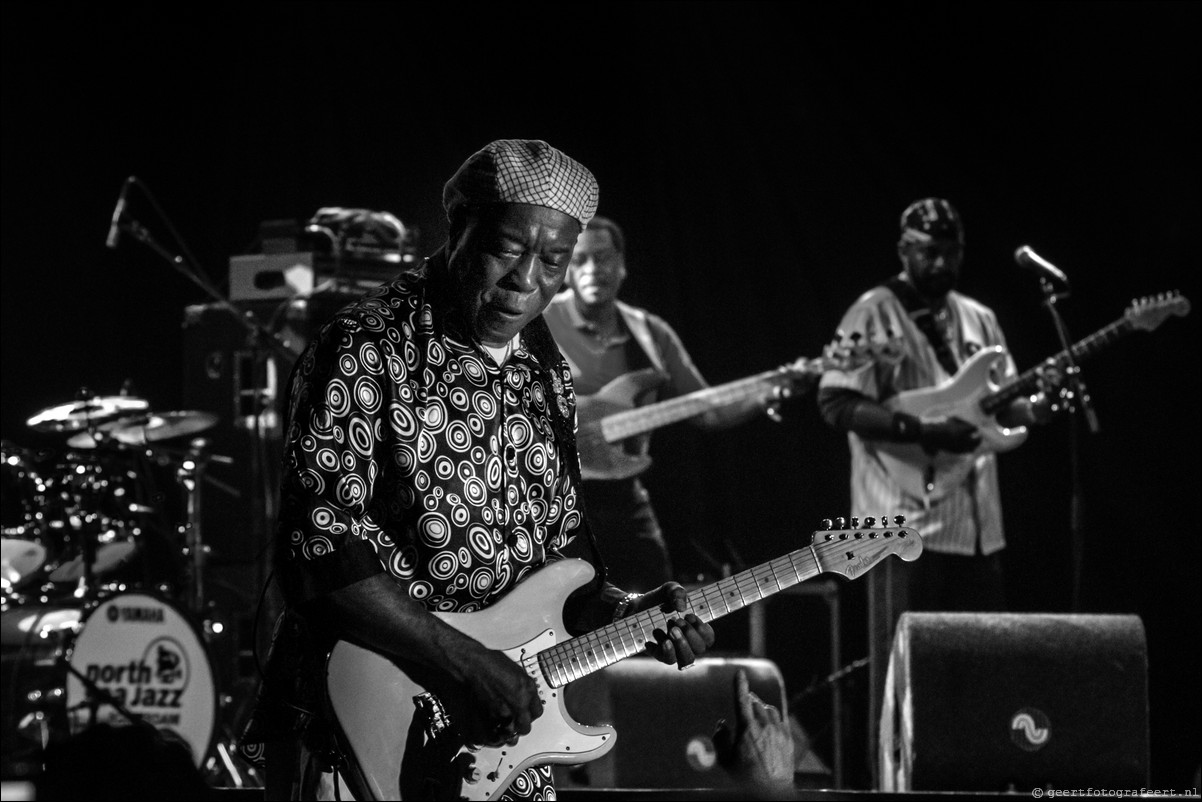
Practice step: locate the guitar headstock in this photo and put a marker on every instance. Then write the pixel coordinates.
(853, 550)
(1150, 311)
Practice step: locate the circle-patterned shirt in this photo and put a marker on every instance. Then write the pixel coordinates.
(414, 441)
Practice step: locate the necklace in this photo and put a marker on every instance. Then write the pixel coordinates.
(500, 353)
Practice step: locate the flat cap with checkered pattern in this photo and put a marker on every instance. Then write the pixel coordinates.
(523, 171)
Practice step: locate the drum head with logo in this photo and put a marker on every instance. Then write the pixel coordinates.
(145, 653)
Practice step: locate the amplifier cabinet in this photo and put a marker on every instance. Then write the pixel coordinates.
(1011, 702)
(665, 720)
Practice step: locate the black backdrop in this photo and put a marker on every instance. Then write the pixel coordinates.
(758, 156)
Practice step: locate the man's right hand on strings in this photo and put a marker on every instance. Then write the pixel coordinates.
(505, 697)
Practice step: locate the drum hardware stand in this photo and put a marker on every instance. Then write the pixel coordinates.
(89, 524)
(191, 476)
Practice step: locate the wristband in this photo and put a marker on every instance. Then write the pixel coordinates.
(906, 428)
(624, 605)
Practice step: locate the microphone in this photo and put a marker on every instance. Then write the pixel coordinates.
(118, 212)
(1027, 258)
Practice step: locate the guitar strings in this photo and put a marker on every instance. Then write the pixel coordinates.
(584, 654)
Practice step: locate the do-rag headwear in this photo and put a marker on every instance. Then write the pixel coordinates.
(931, 218)
(523, 171)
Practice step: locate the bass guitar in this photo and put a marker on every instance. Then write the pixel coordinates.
(972, 396)
(398, 723)
(609, 417)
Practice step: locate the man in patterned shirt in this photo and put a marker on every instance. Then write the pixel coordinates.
(430, 466)
(937, 329)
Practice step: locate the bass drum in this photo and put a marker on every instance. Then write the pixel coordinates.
(135, 649)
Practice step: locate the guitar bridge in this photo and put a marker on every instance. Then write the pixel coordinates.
(435, 715)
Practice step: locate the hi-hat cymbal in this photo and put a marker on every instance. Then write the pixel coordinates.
(163, 426)
(102, 434)
(80, 415)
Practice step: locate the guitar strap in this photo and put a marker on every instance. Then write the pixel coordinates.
(541, 343)
(924, 319)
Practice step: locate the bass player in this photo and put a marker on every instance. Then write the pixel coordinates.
(611, 343)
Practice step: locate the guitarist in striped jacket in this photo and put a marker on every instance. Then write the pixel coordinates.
(938, 329)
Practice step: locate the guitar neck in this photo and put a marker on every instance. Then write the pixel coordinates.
(621, 425)
(569, 661)
(1026, 382)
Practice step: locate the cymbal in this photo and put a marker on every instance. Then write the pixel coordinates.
(163, 426)
(80, 415)
(101, 434)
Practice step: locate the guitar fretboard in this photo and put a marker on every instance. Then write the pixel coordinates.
(578, 657)
(1027, 381)
(621, 425)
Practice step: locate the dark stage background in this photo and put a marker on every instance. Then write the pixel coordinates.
(758, 156)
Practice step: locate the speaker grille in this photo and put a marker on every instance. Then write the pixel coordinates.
(1011, 702)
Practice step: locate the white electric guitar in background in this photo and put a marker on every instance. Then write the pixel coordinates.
(972, 396)
(400, 726)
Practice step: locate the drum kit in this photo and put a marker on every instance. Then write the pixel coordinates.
(102, 609)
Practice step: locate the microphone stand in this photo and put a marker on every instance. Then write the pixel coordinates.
(1078, 396)
(98, 696)
(256, 330)
(265, 345)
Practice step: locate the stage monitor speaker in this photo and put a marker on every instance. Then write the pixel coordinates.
(1011, 702)
(665, 720)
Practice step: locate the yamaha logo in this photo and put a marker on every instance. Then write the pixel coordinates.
(1030, 729)
(135, 615)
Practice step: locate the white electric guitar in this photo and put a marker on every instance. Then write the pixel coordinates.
(972, 396)
(401, 727)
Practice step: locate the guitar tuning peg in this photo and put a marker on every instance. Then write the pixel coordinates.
(869, 522)
(855, 522)
(899, 520)
(827, 524)
(840, 522)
